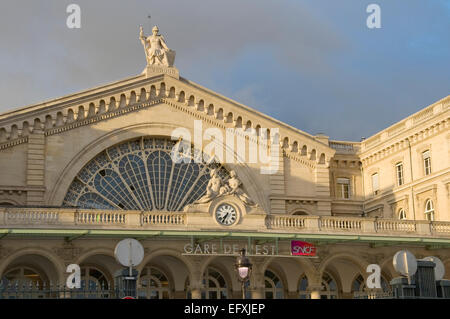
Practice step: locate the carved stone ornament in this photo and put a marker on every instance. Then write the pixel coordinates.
(217, 188)
(67, 253)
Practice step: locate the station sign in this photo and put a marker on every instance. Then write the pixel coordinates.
(302, 248)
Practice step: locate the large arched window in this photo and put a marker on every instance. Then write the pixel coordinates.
(429, 210)
(303, 292)
(24, 282)
(273, 286)
(140, 175)
(359, 286)
(94, 284)
(329, 287)
(24, 276)
(93, 278)
(153, 284)
(215, 285)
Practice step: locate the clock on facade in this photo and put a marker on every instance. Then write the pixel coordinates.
(226, 214)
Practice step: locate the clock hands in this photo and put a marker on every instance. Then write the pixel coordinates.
(226, 215)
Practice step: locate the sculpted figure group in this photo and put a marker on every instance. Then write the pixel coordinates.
(216, 187)
(156, 49)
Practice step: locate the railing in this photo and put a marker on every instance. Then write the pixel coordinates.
(286, 222)
(339, 223)
(373, 295)
(70, 218)
(395, 225)
(357, 225)
(100, 218)
(440, 227)
(344, 147)
(423, 115)
(163, 219)
(34, 216)
(34, 290)
(396, 129)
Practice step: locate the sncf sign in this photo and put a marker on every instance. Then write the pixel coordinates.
(302, 248)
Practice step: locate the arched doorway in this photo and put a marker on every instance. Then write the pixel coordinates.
(215, 285)
(24, 282)
(273, 286)
(329, 289)
(153, 284)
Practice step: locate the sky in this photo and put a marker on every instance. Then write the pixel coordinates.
(312, 64)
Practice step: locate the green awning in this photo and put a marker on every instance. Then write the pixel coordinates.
(211, 235)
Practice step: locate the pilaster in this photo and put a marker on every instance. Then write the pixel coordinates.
(36, 167)
(277, 184)
(323, 189)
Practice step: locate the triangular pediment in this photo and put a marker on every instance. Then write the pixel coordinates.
(150, 88)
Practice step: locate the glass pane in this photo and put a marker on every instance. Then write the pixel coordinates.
(375, 182)
(122, 183)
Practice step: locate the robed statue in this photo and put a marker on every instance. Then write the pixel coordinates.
(156, 50)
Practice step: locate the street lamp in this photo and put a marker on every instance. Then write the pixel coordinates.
(244, 269)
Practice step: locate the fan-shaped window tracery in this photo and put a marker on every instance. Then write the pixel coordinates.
(140, 175)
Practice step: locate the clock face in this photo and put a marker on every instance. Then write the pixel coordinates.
(226, 214)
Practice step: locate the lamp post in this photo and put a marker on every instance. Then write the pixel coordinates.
(244, 269)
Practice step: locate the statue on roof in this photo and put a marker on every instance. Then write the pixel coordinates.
(156, 49)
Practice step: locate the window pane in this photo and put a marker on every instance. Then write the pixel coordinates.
(399, 173)
(375, 185)
(342, 188)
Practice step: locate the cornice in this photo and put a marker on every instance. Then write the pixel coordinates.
(409, 123)
(431, 129)
(14, 142)
(102, 117)
(127, 96)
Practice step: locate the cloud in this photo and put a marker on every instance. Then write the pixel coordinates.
(305, 63)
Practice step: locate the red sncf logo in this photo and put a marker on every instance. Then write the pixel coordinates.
(302, 248)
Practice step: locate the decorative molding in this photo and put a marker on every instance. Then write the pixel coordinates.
(102, 117)
(14, 142)
(67, 253)
(414, 138)
(170, 91)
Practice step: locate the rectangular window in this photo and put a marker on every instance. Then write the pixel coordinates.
(426, 162)
(399, 170)
(343, 188)
(375, 185)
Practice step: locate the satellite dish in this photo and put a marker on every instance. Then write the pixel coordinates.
(129, 252)
(405, 263)
(439, 269)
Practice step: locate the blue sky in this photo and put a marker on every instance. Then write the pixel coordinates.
(312, 64)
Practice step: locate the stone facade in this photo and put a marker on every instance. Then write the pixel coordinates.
(322, 191)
